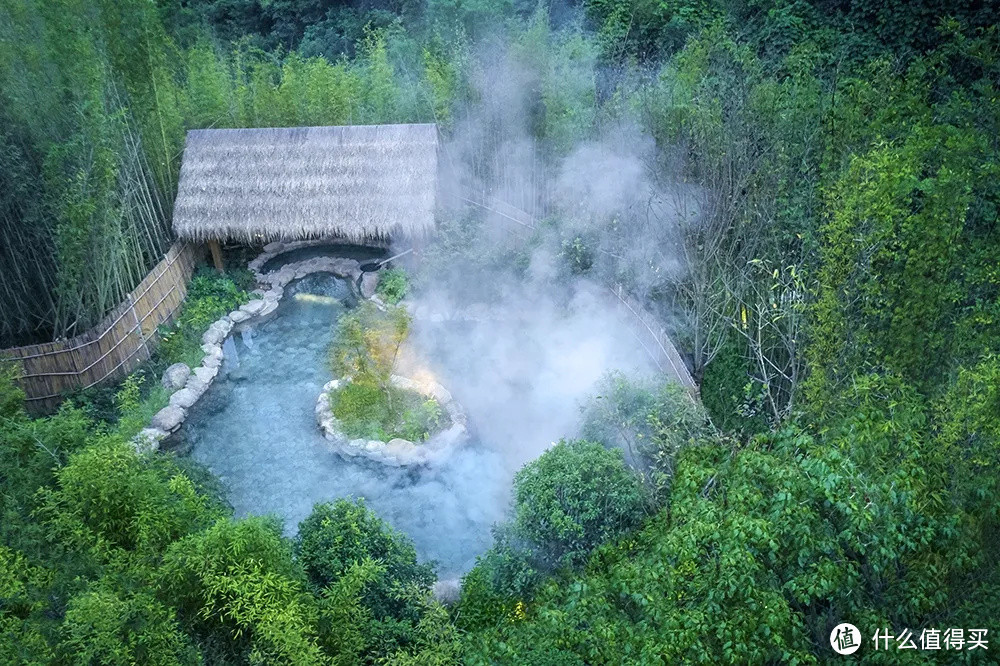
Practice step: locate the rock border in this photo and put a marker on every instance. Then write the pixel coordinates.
(168, 420)
(396, 452)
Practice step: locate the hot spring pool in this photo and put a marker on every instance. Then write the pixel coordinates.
(256, 430)
(521, 376)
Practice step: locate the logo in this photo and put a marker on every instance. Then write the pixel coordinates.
(845, 638)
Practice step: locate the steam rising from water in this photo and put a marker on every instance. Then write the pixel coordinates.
(519, 379)
(521, 350)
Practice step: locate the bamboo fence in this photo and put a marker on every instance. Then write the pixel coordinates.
(655, 340)
(113, 348)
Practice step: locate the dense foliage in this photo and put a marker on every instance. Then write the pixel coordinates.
(210, 296)
(839, 306)
(368, 405)
(392, 285)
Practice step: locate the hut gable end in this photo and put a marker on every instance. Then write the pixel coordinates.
(363, 182)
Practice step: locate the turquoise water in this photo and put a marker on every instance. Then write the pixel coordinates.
(256, 430)
(521, 377)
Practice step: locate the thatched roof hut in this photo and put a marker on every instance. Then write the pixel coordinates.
(358, 183)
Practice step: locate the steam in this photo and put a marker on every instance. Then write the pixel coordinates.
(512, 311)
(518, 337)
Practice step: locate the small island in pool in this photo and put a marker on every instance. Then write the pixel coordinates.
(373, 412)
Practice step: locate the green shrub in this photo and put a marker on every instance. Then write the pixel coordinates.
(243, 278)
(370, 412)
(105, 627)
(337, 536)
(361, 408)
(367, 343)
(419, 422)
(393, 286)
(503, 578)
(574, 497)
(370, 406)
(11, 395)
(730, 394)
(578, 254)
(650, 421)
(238, 583)
(336, 540)
(210, 296)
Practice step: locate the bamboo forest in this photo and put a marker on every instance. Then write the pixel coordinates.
(499, 332)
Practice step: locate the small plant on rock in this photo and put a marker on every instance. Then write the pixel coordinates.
(369, 406)
(393, 286)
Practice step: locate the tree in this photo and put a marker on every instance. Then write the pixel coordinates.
(338, 536)
(367, 344)
(237, 587)
(109, 497)
(102, 627)
(650, 423)
(574, 497)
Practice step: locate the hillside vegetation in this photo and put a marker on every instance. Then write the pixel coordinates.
(839, 305)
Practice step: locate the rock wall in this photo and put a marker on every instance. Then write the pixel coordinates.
(189, 385)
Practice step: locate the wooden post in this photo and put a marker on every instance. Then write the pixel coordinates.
(213, 245)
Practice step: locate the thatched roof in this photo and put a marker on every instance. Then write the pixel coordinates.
(356, 183)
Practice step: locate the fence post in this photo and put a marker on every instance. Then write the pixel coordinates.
(138, 326)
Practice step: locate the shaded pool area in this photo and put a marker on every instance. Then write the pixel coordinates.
(256, 430)
(362, 253)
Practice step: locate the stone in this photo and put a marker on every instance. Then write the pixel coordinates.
(196, 385)
(169, 418)
(253, 307)
(217, 332)
(281, 278)
(213, 356)
(369, 282)
(276, 246)
(269, 307)
(274, 294)
(212, 337)
(184, 398)
(399, 450)
(440, 393)
(343, 267)
(455, 412)
(206, 374)
(175, 376)
(148, 440)
(236, 316)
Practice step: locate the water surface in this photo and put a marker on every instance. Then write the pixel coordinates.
(521, 379)
(256, 430)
